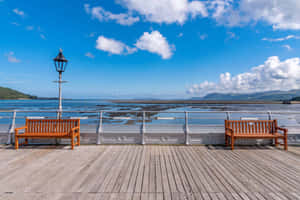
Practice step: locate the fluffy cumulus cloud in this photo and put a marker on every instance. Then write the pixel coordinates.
(272, 75)
(281, 14)
(155, 42)
(19, 12)
(11, 57)
(166, 11)
(103, 15)
(113, 46)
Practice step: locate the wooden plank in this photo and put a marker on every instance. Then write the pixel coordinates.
(152, 173)
(140, 174)
(114, 173)
(133, 161)
(158, 175)
(209, 177)
(204, 183)
(256, 169)
(181, 182)
(145, 183)
(125, 171)
(98, 170)
(133, 177)
(164, 175)
(169, 171)
(187, 170)
(228, 176)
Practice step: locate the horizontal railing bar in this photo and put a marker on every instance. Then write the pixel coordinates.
(130, 111)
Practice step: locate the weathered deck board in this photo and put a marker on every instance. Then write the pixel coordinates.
(151, 172)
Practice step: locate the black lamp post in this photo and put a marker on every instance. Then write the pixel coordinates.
(60, 63)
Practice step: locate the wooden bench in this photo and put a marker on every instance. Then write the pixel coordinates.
(49, 128)
(254, 129)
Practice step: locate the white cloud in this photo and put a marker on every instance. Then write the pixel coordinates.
(19, 12)
(113, 46)
(288, 47)
(154, 42)
(282, 39)
(166, 11)
(92, 34)
(203, 36)
(11, 57)
(43, 36)
(281, 14)
(272, 75)
(29, 28)
(89, 54)
(103, 15)
(219, 7)
(180, 35)
(15, 23)
(231, 35)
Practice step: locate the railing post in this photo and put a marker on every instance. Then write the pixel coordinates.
(186, 122)
(269, 115)
(99, 128)
(11, 129)
(228, 115)
(143, 128)
(58, 116)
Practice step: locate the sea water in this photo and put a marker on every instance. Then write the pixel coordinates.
(95, 106)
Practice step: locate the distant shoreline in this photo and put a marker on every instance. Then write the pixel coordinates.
(200, 102)
(168, 101)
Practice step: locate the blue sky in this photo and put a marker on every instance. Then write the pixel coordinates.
(162, 49)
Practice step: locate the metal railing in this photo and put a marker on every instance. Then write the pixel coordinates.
(142, 118)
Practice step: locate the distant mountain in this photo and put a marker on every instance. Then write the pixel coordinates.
(296, 98)
(259, 96)
(7, 93)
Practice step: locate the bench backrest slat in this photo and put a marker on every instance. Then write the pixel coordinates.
(49, 126)
(251, 126)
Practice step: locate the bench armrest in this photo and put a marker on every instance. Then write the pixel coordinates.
(229, 130)
(20, 128)
(285, 130)
(74, 129)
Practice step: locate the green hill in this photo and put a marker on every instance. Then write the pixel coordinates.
(7, 93)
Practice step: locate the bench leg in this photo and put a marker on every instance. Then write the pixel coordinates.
(276, 142)
(26, 141)
(78, 140)
(72, 143)
(226, 140)
(285, 143)
(232, 143)
(16, 143)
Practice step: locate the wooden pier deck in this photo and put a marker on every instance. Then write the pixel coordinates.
(149, 172)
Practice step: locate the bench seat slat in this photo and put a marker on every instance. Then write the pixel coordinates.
(259, 135)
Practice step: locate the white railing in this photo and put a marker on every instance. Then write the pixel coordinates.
(144, 120)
